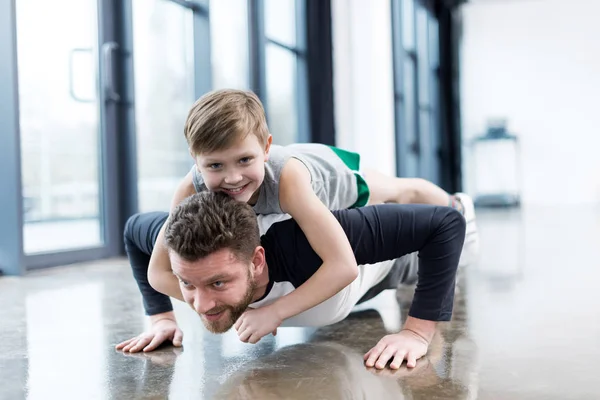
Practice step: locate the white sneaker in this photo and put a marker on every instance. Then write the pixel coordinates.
(471, 246)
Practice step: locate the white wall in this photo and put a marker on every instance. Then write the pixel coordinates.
(363, 81)
(537, 63)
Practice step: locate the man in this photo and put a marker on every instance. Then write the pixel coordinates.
(227, 270)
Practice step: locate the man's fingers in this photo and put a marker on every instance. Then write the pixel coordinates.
(398, 359)
(385, 357)
(155, 342)
(178, 338)
(411, 360)
(374, 355)
(125, 343)
(143, 342)
(132, 343)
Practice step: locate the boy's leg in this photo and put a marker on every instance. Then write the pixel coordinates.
(389, 189)
(141, 231)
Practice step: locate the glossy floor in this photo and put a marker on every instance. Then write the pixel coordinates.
(525, 326)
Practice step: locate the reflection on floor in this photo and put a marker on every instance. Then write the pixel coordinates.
(525, 327)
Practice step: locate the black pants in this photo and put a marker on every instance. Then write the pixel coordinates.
(378, 233)
(141, 231)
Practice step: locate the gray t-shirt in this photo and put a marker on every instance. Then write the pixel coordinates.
(332, 180)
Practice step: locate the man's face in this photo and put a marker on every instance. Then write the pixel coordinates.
(219, 287)
(237, 171)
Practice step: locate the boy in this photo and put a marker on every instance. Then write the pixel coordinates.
(228, 138)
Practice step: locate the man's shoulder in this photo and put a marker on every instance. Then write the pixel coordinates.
(266, 221)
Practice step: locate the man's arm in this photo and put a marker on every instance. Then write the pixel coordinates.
(389, 231)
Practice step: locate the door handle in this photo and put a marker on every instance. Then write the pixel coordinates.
(72, 92)
(109, 84)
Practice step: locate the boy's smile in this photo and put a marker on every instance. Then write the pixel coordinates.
(237, 171)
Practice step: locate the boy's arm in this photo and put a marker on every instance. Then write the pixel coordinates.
(326, 237)
(160, 275)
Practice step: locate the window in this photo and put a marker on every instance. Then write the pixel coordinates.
(285, 70)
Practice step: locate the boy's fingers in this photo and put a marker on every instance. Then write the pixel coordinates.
(244, 335)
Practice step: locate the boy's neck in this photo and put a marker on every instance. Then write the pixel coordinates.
(254, 197)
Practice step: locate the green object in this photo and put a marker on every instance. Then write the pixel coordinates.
(352, 161)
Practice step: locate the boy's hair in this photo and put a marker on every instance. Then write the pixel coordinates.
(220, 118)
(207, 222)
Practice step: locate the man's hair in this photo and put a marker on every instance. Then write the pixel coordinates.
(221, 117)
(210, 221)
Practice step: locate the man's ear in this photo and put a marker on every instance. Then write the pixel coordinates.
(258, 260)
(268, 147)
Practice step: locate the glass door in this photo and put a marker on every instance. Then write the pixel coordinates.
(163, 37)
(67, 98)
(60, 125)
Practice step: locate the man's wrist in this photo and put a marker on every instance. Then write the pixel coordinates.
(170, 315)
(421, 327)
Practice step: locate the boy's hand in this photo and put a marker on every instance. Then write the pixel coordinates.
(256, 323)
(399, 346)
(160, 331)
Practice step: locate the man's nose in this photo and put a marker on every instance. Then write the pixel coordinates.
(203, 302)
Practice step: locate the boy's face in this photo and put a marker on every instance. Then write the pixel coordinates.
(237, 171)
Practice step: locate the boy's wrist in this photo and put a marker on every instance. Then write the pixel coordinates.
(279, 309)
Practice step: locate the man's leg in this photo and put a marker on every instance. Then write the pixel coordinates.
(405, 269)
(141, 231)
(391, 231)
(403, 272)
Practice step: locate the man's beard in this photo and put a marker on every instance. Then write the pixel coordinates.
(231, 313)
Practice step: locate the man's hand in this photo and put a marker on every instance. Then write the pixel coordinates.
(164, 327)
(256, 323)
(400, 346)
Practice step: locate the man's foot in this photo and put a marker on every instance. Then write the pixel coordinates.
(471, 246)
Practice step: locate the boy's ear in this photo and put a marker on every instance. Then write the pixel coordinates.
(268, 146)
